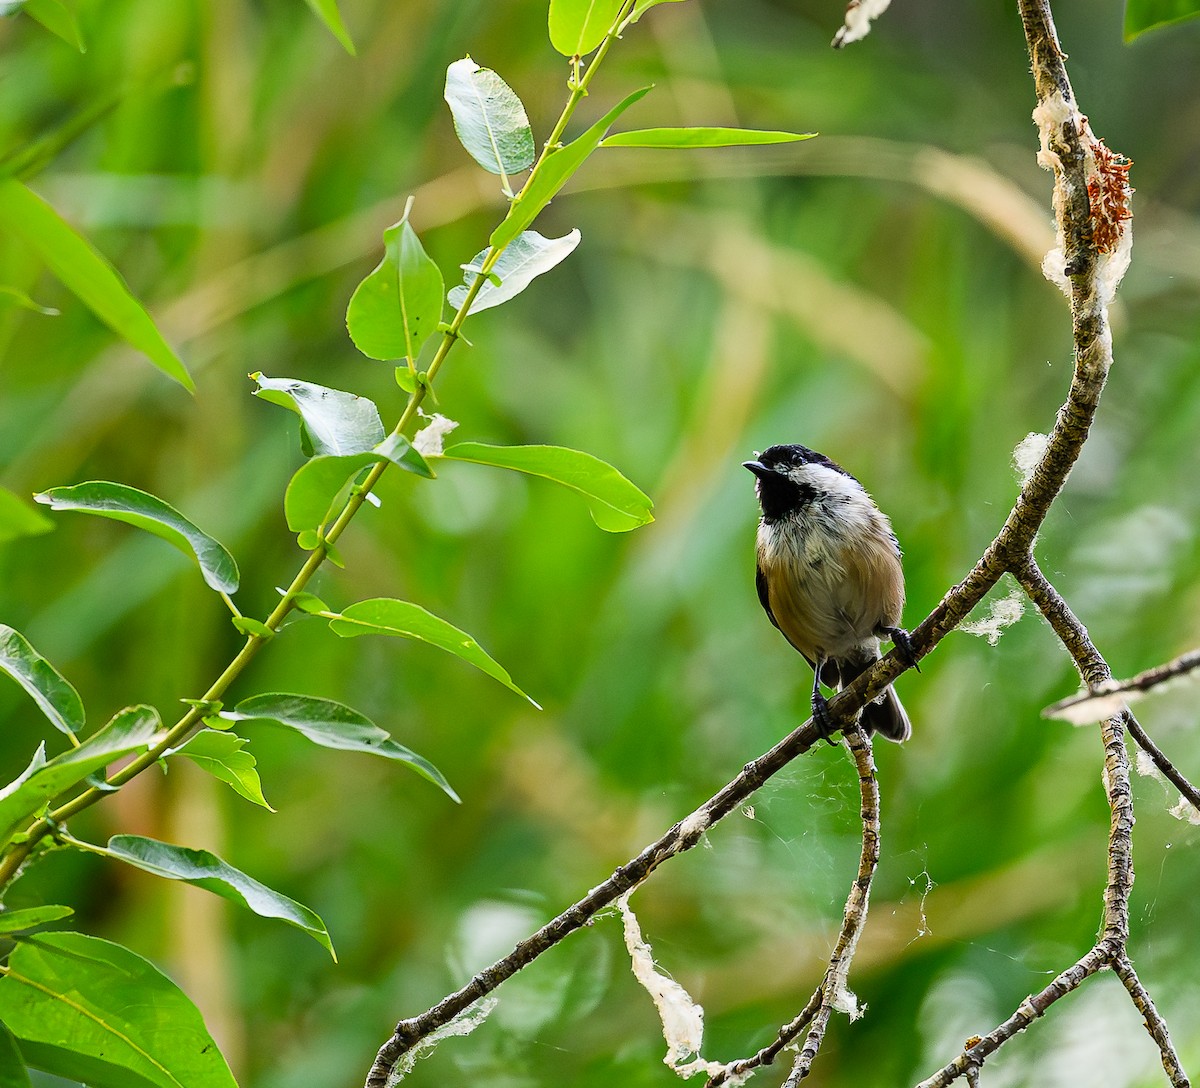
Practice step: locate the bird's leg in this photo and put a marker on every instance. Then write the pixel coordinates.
(902, 640)
(822, 719)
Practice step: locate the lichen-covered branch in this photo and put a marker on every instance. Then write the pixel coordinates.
(1155, 1024)
(834, 993)
(682, 836)
(1032, 1008)
(1091, 206)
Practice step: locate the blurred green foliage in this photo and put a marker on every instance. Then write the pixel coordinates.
(873, 293)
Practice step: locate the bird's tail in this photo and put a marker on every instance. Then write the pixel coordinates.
(887, 717)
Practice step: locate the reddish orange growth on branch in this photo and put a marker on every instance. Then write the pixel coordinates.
(1108, 196)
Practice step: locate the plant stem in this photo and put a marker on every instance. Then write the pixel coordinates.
(17, 853)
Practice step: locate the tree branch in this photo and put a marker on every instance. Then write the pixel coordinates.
(833, 993)
(1143, 681)
(1033, 1007)
(1168, 769)
(1089, 277)
(1155, 1024)
(681, 837)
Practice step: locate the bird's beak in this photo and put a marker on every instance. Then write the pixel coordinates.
(759, 469)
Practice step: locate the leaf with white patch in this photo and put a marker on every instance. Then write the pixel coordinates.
(527, 257)
(489, 118)
(333, 422)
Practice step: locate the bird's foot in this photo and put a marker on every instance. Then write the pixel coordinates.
(903, 642)
(823, 719)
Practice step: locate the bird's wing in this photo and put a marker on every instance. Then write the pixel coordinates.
(764, 595)
(829, 674)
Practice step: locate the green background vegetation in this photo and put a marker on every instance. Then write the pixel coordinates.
(873, 293)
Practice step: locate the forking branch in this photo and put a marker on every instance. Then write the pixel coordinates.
(1092, 218)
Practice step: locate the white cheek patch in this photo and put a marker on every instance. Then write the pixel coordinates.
(826, 480)
(844, 509)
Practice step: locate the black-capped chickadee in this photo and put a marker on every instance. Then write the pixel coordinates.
(829, 577)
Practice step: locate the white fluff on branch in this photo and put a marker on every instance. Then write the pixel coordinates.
(1002, 614)
(429, 439)
(682, 1018)
(463, 1024)
(1028, 453)
(1053, 116)
(859, 15)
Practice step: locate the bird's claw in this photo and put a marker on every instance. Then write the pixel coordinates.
(905, 650)
(822, 719)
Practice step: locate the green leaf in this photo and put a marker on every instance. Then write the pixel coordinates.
(399, 305)
(488, 116)
(250, 626)
(54, 695)
(643, 6)
(327, 11)
(333, 725)
(385, 616)
(14, 297)
(317, 490)
(554, 172)
(123, 503)
(333, 421)
(579, 26)
(206, 870)
(701, 137)
(57, 18)
(526, 258)
(615, 504)
(1143, 15)
(85, 272)
(310, 603)
(92, 1011)
(13, 1073)
(400, 451)
(221, 755)
(54, 15)
(14, 921)
(18, 518)
(131, 730)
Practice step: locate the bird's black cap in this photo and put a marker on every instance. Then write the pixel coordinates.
(778, 493)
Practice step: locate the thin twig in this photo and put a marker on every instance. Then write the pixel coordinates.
(833, 992)
(1117, 887)
(1155, 1024)
(770, 1052)
(1027, 1012)
(1092, 667)
(1066, 625)
(1169, 771)
(1143, 681)
(1106, 694)
(1065, 133)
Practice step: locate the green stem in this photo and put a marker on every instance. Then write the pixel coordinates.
(579, 86)
(17, 853)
